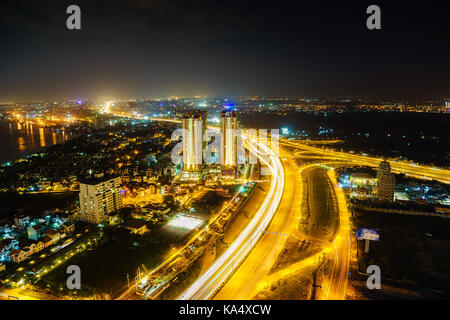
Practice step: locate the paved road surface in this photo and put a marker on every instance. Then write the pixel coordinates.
(247, 280)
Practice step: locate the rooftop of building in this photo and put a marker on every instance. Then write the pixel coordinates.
(15, 251)
(97, 178)
(46, 239)
(134, 223)
(228, 112)
(196, 114)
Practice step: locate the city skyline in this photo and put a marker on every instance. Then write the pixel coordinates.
(254, 153)
(299, 195)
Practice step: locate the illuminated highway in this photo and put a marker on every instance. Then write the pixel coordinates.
(15, 294)
(227, 279)
(213, 279)
(208, 284)
(254, 276)
(247, 280)
(219, 272)
(413, 170)
(339, 276)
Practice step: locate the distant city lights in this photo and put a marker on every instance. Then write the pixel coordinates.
(284, 131)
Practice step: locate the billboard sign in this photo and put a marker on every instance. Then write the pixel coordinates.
(368, 234)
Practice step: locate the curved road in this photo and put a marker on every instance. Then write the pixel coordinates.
(223, 268)
(249, 278)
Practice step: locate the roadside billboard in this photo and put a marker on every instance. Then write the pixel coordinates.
(367, 234)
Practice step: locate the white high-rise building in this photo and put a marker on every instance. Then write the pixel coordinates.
(99, 196)
(229, 141)
(386, 182)
(192, 125)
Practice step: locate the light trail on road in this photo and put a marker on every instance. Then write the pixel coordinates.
(254, 270)
(339, 277)
(211, 281)
(413, 170)
(224, 267)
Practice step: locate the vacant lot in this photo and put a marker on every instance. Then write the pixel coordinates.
(413, 252)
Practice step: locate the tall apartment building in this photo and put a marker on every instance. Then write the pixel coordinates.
(386, 182)
(194, 126)
(99, 196)
(229, 143)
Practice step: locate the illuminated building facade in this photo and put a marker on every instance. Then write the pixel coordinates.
(386, 182)
(99, 196)
(229, 143)
(193, 125)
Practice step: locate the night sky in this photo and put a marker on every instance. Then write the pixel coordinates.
(224, 48)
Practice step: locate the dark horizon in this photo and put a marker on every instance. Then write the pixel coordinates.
(208, 48)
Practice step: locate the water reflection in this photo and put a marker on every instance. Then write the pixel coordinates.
(32, 134)
(21, 142)
(20, 139)
(42, 137)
